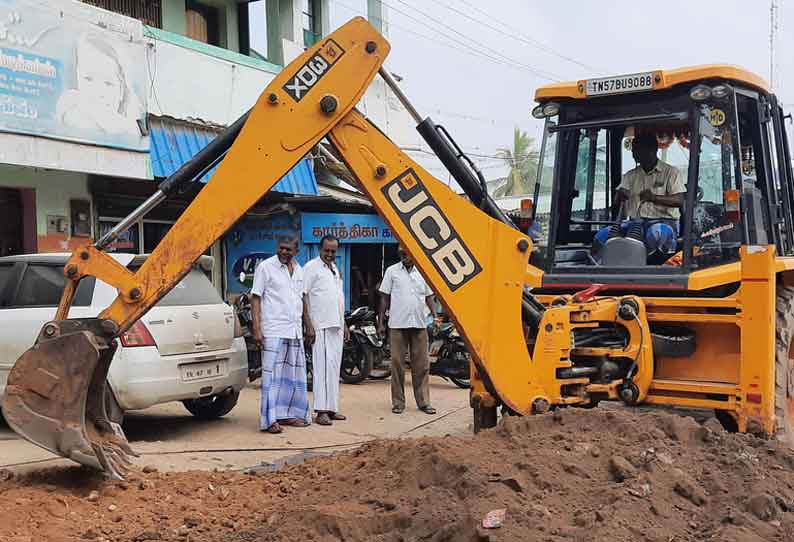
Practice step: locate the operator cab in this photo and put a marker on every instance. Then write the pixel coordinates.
(722, 135)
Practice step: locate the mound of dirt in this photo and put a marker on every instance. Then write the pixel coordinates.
(569, 476)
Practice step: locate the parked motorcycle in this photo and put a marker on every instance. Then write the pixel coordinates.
(360, 349)
(242, 307)
(449, 357)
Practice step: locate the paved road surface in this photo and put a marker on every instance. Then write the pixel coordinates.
(169, 438)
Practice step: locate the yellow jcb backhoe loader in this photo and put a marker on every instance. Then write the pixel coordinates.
(705, 321)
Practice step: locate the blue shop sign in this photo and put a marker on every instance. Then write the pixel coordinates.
(348, 228)
(248, 242)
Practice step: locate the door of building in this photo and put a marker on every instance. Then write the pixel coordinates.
(11, 226)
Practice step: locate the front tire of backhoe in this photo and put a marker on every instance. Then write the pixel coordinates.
(784, 365)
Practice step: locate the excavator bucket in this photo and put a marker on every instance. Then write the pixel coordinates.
(55, 395)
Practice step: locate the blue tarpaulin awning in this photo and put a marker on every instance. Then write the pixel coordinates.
(173, 143)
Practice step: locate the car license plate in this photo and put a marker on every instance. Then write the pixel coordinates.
(198, 371)
(619, 84)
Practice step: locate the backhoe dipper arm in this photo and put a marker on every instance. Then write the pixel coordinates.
(56, 389)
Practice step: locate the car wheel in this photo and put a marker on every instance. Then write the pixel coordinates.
(214, 406)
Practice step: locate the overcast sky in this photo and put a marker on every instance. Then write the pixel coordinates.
(481, 96)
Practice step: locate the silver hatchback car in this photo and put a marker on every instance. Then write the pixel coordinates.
(189, 347)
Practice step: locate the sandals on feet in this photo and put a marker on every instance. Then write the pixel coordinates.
(274, 429)
(338, 417)
(397, 410)
(323, 419)
(427, 409)
(294, 422)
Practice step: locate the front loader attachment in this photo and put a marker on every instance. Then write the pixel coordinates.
(56, 390)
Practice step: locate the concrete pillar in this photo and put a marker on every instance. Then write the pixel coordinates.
(376, 14)
(173, 13)
(275, 52)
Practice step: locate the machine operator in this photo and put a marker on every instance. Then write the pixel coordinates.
(653, 193)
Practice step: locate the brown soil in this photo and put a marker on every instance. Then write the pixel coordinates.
(609, 475)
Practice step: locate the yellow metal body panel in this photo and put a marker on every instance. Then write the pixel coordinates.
(487, 307)
(757, 373)
(664, 79)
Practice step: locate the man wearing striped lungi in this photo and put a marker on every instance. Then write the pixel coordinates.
(325, 302)
(277, 308)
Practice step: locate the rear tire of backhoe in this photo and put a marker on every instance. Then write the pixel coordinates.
(784, 365)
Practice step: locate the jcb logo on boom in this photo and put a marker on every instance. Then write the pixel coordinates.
(313, 70)
(430, 228)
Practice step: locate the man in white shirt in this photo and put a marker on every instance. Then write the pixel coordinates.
(408, 298)
(325, 301)
(277, 308)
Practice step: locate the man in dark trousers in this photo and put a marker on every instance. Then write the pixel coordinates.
(408, 298)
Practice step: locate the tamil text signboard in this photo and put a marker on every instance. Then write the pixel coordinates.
(348, 228)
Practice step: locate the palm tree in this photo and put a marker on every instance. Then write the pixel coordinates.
(522, 160)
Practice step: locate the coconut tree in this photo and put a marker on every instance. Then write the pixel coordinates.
(522, 161)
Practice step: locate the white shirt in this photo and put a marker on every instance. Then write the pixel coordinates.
(663, 180)
(408, 292)
(282, 298)
(326, 295)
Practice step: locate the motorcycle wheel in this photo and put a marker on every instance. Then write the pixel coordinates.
(463, 383)
(356, 364)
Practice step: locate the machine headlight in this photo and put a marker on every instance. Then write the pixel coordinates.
(551, 109)
(720, 91)
(537, 112)
(700, 93)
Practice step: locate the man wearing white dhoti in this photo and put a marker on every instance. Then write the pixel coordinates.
(277, 309)
(325, 304)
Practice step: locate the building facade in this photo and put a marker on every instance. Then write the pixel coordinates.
(102, 99)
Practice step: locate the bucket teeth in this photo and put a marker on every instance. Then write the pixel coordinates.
(55, 396)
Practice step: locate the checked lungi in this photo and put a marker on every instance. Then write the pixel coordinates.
(326, 360)
(284, 392)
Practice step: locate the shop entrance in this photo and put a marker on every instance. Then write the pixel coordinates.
(367, 264)
(11, 227)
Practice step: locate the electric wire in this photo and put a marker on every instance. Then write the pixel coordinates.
(491, 52)
(466, 48)
(517, 34)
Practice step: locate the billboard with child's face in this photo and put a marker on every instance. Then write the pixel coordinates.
(74, 72)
